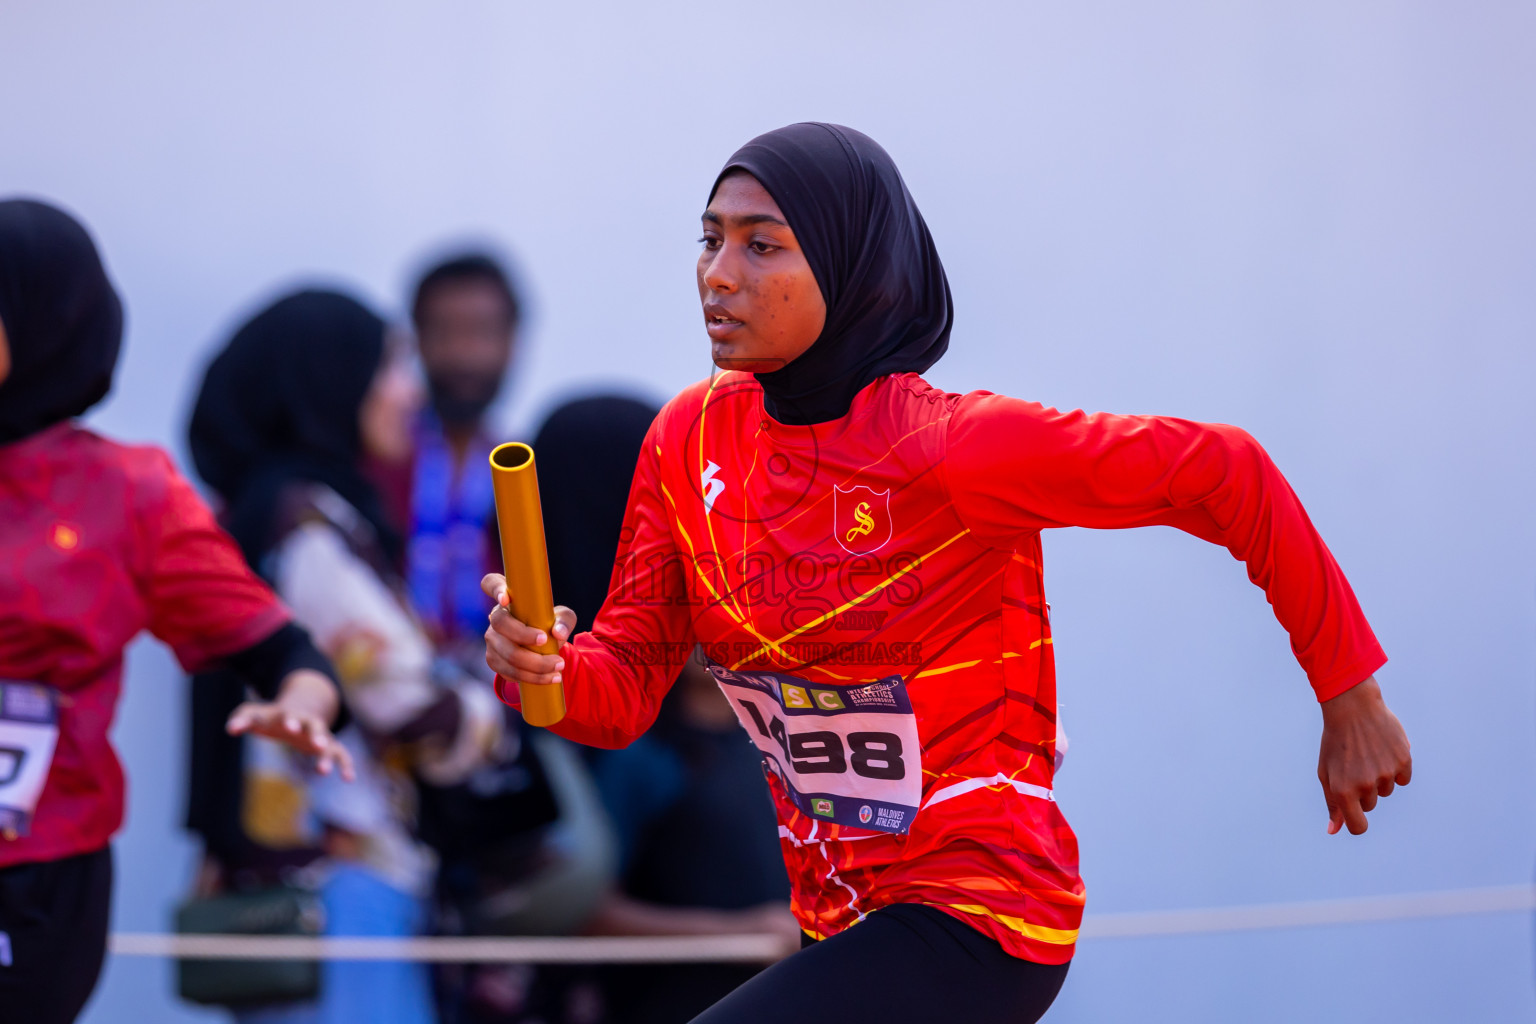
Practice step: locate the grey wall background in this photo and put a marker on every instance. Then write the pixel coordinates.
(1311, 219)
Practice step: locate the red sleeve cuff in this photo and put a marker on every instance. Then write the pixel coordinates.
(1349, 677)
(507, 693)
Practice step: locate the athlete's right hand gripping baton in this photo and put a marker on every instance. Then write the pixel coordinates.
(525, 561)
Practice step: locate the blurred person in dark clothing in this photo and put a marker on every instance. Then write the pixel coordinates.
(284, 415)
(466, 315)
(699, 850)
(466, 312)
(523, 844)
(587, 450)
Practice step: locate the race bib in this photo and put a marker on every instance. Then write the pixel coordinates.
(29, 730)
(847, 755)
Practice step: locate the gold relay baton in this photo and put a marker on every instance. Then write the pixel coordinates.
(520, 519)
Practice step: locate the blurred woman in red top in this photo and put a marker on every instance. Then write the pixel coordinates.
(98, 542)
(859, 554)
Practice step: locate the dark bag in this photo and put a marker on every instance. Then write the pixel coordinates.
(278, 910)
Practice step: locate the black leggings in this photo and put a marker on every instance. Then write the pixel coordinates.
(904, 964)
(53, 919)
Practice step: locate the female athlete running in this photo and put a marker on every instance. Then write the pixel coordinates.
(859, 555)
(100, 541)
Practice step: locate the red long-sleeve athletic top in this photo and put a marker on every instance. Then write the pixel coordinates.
(869, 593)
(98, 542)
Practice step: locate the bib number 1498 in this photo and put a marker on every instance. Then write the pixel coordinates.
(874, 755)
(848, 755)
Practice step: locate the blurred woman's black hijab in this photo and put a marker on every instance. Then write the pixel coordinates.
(888, 303)
(280, 405)
(587, 453)
(63, 320)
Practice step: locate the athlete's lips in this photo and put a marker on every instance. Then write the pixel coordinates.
(719, 321)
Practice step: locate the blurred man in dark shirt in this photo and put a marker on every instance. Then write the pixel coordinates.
(491, 832)
(466, 314)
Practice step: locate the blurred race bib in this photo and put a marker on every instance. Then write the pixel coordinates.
(29, 731)
(846, 754)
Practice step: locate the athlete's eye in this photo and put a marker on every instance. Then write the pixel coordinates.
(710, 243)
(762, 248)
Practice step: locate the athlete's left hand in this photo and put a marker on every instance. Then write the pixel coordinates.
(1364, 755)
(298, 719)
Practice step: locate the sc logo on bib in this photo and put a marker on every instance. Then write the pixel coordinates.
(807, 697)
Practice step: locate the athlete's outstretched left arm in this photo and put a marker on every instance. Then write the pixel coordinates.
(1015, 466)
(212, 610)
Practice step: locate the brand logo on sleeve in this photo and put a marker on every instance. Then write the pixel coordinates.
(712, 488)
(861, 518)
(821, 807)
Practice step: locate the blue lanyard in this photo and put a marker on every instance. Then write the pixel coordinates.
(447, 553)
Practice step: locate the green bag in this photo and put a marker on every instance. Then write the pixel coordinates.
(279, 910)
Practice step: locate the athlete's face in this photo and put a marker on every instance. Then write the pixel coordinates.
(762, 305)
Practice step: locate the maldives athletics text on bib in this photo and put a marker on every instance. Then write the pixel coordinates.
(29, 731)
(848, 755)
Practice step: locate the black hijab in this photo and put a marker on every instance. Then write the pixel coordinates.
(279, 405)
(587, 450)
(888, 303)
(63, 320)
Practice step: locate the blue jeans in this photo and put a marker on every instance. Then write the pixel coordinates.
(358, 902)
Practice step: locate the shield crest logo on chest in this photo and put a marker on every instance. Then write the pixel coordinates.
(861, 518)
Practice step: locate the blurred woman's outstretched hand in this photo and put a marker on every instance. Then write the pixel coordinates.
(298, 719)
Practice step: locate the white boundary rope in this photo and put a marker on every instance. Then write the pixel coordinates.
(761, 948)
(554, 950)
(1360, 910)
